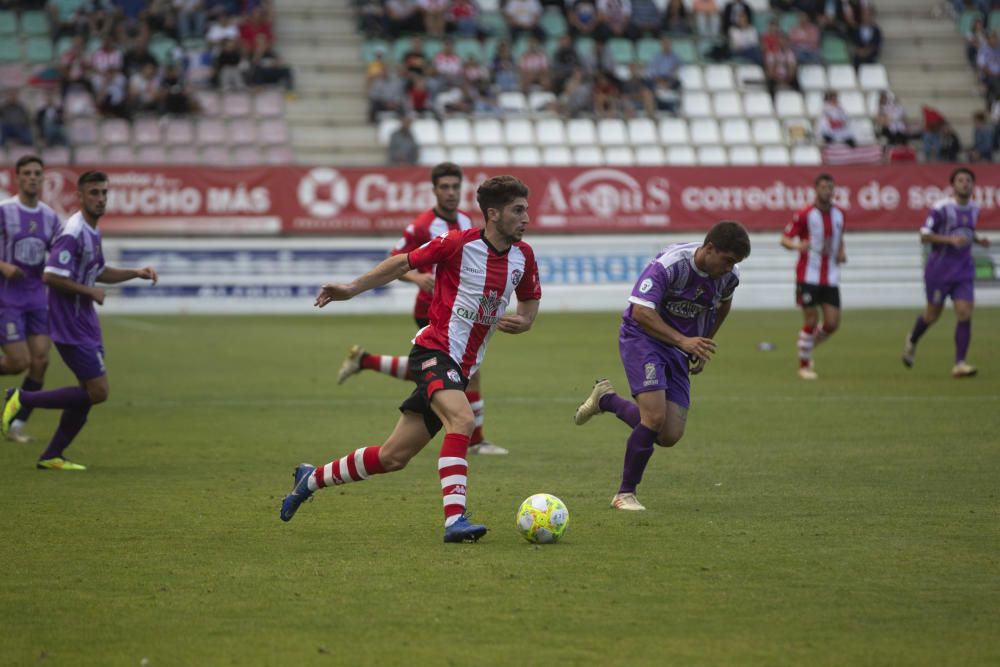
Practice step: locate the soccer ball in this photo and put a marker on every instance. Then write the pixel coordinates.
(542, 518)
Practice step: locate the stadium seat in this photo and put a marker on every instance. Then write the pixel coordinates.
(466, 47)
(38, 50)
(557, 156)
(873, 77)
(645, 49)
(588, 156)
(456, 132)
(719, 77)
(681, 156)
(619, 156)
(493, 23)
(621, 50)
(209, 102)
(211, 131)
(512, 102)
(56, 156)
(520, 131)
(728, 104)
(370, 47)
(580, 132)
(542, 100)
(14, 75)
(789, 103)
(834, 50)
(814, 103)
(487, 132)
(179, 131)
(748, 76)
(691, 78)
(994, 21)
(757, 104)
(871, 102)
(236, 104)
(432, 154)
(119, 154)
(183, 155)
(766, 131)
(674, 131)
(612, 132)
(812, 77)
(864, 130)
(650, 155)
(853, 103)
(151, 154)
(463, 154)
(273, 132)
(686, 50)
(215, 154)
(426, 132)
(735, 131)
(704, 131)
(696, 104)
(712, 156)
(146, 131)
(10, 51)
(86, 154)
(550, 132)
(279, 155)
(842, 77)
(79, 103)
(806, 155)
(798, 130)
(115, 131)
(774, 156)
(83, 131)
(494, 156)
(269, 103)
(386, 127)
(246, 156)
(432, 47)
(8, 25)
(553, 22)
(525, 156)
(743, 156)
(642, 132)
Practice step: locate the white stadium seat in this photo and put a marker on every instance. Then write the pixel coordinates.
(619, 156)
(853, 103)
(386, 127)
(766, 131)
(426, 131)
(463, 154)
(674, 131)
(493, 156)
(641, 132)
(580, 132)
(812, 77)
(873, 77)
(649, 156)
(541, 100)
(487, 132)
(525, 156)
(758, 104)
(750, 75)
(457, 132)
(557, 156)
(712, 156)
(728, 104)
(774, 155)
(719, 77)
(789, 103)
(841, 77)
(696, 104)
(806, 155)
(704, 131)
(691, 78)
(513, 101)
(864, 130)
(550, 132)
(431, 155)
(588, 156)
(743, 156)
(681, 156)
(612, 132)
(521, 131)
(814, 103)
(735, 131)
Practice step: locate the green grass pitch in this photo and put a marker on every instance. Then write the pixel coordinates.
(850, 521)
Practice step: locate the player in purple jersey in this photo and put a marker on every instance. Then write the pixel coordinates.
(950, 228)
(667, 332)
(75, 263)
(27, 230)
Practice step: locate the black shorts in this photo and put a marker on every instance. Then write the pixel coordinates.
(421, 322)
(808, 295)
(432, 370)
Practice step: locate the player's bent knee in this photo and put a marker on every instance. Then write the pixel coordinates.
(669, 438)
(98, 394)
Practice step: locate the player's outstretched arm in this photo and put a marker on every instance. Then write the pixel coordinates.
(522, 320)
(112, 276)
(70, 286)
(384, 273)
(984, 241)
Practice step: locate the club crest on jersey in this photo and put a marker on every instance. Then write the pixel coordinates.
(698, 292)
(650, 371)
(32, 226)
(515, 276)
(487, 313)
(454, 376)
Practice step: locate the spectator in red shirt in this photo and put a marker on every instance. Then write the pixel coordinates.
(258, 23)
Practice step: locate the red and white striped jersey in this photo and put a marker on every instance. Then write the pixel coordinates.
(825, 233)
(473, 288)
(425, 227)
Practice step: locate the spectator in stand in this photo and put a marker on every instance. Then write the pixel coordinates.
(403, 16)
(534, 67)
(988, 62)
(503, 69)
(74, 68)
(222, 29)
(160, 16)
(707, 20)
(578, 94)
(138, 56)
(600, 59)
(607, 96)
(805, 39)
(418, 99)
(523, 16)
(229, 66)
(15, 121)
(732, 12)
(564, 61)
(474, 71)
(614, 20)
(646, 19)
(113, 99)
(107, 58)
(463, 15)
(447, 63)
(744, 41)
(581, 17)
(267, 68)
(415, 60)
(663, 70)
(771, 39)
(386, 92)
(637, 97)
(50, 122)
(190, 19)
(984, 138)
(372, 20)
(96, 17)
(175, 97)
(377, 65)
(403, 147)
(144, 89)
(834, 123)
(452, 99)
(975, 39)
(433, 14)
(867, 39)
(257, 23)
(676, 18)
(781, 69)
(890, 121)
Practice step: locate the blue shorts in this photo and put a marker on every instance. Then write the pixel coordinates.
(652, 366)
(959, 290)
(18, 324)
(86, 362)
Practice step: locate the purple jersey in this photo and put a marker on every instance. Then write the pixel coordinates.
(26, 235)
(77, 255)
(947, 263)
(684, 297)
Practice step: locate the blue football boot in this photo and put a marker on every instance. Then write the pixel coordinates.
(300, 492)
(463, 531)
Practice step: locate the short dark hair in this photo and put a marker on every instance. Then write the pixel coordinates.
(499, 191)
(91, 177)
(730, 236)
(823, 177)
(961, 170)
(27, 159)
(445, 169)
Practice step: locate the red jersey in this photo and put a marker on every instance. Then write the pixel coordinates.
(825, 233)
(472, 290)
(425, 227)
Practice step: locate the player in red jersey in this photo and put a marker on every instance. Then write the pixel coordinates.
(817, 233)
(444, 217)
(478, 271)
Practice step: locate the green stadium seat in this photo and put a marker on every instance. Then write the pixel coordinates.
(193, 44)
(621, 50)
(10, 51)
(554, 23)
(38, 50)
(489, 49)
(965, 20)
(432, 47)
(162, 48)
(62, 46)
(67, 8)
(399, 49)
(8, 24)
(493, 23)
(584, 46)
(788, 21)
(834, 51)
(34, 23)
(646, 48)
(520, 46)
(469, 47)
(551, 46)
(369, 48)
(760, 21)
(686, 51)
(995, 20)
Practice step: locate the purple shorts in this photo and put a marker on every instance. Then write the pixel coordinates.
(86, 362)
(958, 290)
(19, 324)
(652, 366)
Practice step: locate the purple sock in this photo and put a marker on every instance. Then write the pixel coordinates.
(56, 399)
(919, 327)
(637, 452)
(27, 385)
(963, 335)
(623, 408)
(70, 424)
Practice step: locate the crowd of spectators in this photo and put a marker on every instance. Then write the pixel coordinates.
(983, 52)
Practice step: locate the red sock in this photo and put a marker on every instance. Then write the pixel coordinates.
(357, 466)
(453, 469)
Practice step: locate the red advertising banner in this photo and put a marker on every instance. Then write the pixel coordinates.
(327, 200)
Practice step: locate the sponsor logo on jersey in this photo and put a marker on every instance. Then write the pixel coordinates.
(487, 313)
(685, 309)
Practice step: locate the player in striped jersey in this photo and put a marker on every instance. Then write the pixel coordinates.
(477, 272)
(817, 233)
(444, 217)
